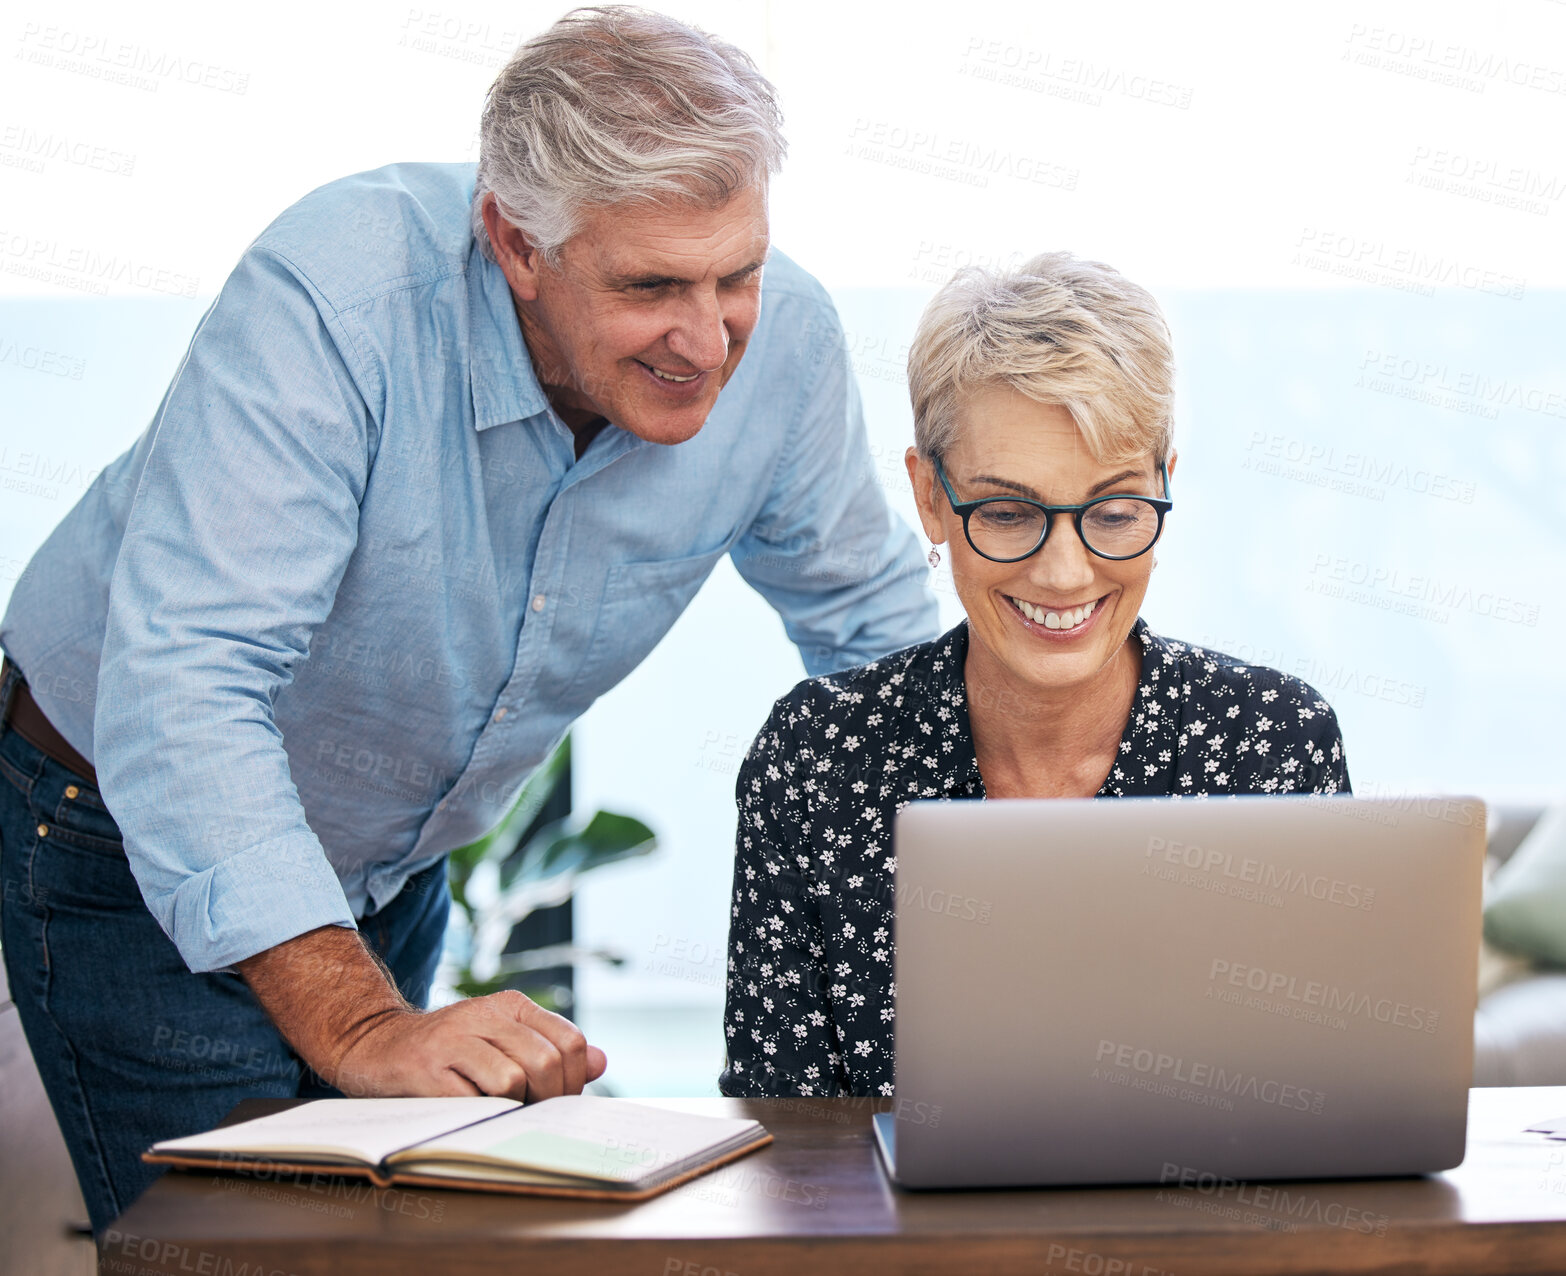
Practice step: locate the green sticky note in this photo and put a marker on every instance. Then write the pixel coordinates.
(561, 1154)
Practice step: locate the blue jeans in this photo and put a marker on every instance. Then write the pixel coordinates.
(131, 1046)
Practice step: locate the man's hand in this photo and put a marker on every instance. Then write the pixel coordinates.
(500, 1044)
(339, 1009)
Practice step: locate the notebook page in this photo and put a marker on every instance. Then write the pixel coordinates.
(591, 1137)
(1555, 1128)
(371, 1129)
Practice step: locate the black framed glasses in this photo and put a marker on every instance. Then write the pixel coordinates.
(1007, 529)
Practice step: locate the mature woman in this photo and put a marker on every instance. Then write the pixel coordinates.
(1043, 462)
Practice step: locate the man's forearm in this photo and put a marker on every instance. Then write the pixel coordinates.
(324, 990)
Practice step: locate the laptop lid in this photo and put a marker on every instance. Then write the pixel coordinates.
(1127, 991)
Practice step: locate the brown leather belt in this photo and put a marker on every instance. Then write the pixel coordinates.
(24, 717)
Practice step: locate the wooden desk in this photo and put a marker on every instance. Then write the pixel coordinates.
(816, 1201)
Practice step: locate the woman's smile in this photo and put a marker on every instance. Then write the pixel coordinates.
(1056, 622)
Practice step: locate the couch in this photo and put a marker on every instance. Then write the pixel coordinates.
(1520, 1026)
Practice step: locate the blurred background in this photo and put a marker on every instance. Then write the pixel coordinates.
(1354, 215)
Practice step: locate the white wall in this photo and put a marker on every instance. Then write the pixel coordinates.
(1201, 141)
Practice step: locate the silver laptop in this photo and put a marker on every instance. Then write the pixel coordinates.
(1154, 990)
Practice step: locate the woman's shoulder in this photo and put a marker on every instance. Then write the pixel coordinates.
(1239, 726)
(1247, 706)
(843, 710)
(864, 691)
(1205, 673)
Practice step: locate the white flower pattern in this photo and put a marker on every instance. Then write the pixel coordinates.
(810, 1006)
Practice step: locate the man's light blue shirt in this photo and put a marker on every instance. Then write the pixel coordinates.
(353, 584)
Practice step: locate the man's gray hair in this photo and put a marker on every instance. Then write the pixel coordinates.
(1062, 331)
(619, 105)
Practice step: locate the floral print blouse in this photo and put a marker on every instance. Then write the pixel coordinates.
(810, 990)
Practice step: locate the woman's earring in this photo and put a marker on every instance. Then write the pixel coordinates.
(935, 557)
(1155, 560)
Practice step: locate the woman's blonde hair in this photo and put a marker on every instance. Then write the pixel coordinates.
(1077, 334)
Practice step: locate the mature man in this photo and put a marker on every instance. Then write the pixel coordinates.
(443, 462)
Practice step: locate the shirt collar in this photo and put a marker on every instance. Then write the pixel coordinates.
(505, 387)
(1151, 728)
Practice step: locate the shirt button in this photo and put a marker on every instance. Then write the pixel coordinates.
(441, 805)
(500, 713)
(71, 791)
(43, 830)
(538, 602)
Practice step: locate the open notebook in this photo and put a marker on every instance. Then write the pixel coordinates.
(577, 1145)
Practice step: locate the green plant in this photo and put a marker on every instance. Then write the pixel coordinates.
(501, 878)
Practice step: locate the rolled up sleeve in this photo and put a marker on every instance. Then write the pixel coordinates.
(245, 518)
(840, 567)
